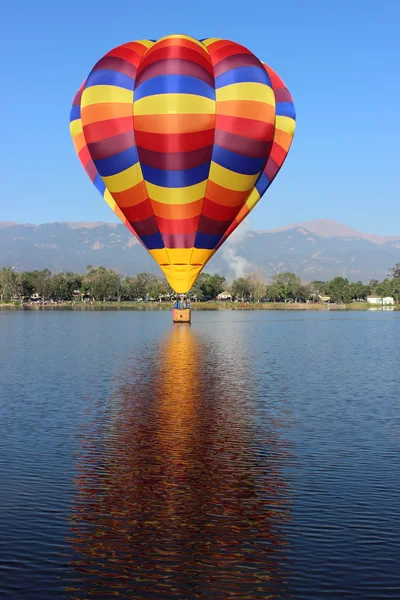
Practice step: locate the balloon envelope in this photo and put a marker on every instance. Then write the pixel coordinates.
(182, 138)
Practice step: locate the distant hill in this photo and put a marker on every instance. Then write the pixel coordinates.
(313, 250)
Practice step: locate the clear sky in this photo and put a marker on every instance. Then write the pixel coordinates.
(340, 60)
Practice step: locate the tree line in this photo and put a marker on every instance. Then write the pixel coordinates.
(99, 283)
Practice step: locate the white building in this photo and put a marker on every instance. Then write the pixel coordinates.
(384, 301)
(224, 296)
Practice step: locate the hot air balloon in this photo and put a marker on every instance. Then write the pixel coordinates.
(182, 138)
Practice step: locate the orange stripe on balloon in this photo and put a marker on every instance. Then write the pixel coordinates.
(104, 111)
(259, 111)
(79, 142)
(177, 211)
(132, 196)
(283, 138)
(174, 123)
(221, 195)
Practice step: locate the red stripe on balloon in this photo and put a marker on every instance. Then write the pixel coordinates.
(175, 161)
(234, 61)
(213, 210)
(212, 226)
(95, 132)
(146, 227)
(278, 154)
(112, 145)
(127, 54)
(246, 127)
(175, 52)
(114, 63)
(221, 50)
(283, 95)
(183, 240)
(139, 212)
(177, 226)
(179, 66)
(174, 142)
(242, 145)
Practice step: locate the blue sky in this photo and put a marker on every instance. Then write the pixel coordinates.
(339, 59)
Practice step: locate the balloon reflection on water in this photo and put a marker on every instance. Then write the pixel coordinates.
(180, 492)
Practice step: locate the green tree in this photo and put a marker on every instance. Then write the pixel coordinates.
(289, 285)
(207, 287)
(395, 271)
(258, 286)
(243, 288)
(359, 291)
(273, 293)
(339, 290)
(43, 283)
(102, 282)
(28, 281)
(65, 284)
(372, 285)
(10, 284)
(319, 288)
(385, 288)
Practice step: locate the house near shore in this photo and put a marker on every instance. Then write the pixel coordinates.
(224, 296)
(383, 300)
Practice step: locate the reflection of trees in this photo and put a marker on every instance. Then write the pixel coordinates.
(180, 491)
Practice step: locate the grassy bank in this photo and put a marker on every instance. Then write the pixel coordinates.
(195, 306)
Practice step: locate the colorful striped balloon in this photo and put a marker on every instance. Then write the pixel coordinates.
(182, 138)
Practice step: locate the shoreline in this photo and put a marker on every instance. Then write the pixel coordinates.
(167, 306)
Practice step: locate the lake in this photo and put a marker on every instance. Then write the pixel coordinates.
(250, 455)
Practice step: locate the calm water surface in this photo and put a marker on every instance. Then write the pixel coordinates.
(251, 455)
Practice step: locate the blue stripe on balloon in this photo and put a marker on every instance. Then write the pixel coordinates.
(172, 179)
(75, 113)
(109, 77)
(285, 109)
(237, 162)
(206, 241)
(262, 184)
(242, 75)
(153, 241)
(174, 84)
(117, 163)
(99, 184)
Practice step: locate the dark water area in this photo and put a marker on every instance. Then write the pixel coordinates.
(249, 455)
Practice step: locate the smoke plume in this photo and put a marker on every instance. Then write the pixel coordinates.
(238, 265)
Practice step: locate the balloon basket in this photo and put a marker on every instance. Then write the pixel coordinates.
(181, 315)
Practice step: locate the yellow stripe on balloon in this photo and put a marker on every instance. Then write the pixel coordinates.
(231, 180)
(201, 256)
(124, 180)
(179, 256)
(75, 127)
(210, 41)
(285, 124)
(147, 43)
(110, 200)
(176, 195)
(252, 200)
(173, 104)
(246, 91)
(105, 93)
(177, 36)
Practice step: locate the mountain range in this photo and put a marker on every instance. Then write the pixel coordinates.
(320, 249)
